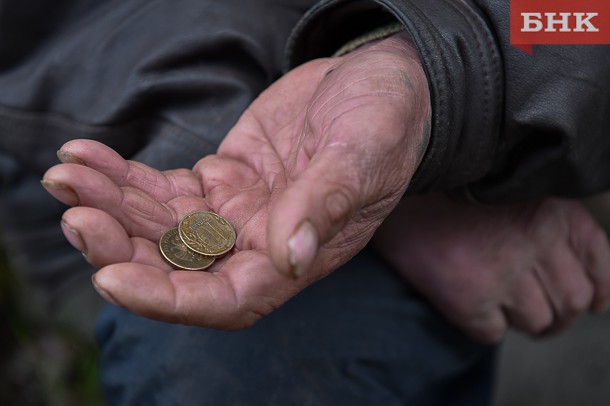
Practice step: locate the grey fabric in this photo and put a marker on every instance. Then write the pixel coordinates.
(359, 337)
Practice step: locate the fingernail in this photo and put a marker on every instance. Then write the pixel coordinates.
(62, 191)
(104, 294)
(67, 158)
(302, 247)
(74, 237)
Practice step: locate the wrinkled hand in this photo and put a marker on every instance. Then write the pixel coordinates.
(535, 267)
(305, 177)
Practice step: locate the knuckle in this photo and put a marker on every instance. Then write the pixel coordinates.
(339, 204)
(539, 326)
(486, 327)
(494, 335)
(491, 333)
(577, 301)
(596, 246)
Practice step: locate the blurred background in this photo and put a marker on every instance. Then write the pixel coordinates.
(46, 360)
(52, 360)
(571, 369)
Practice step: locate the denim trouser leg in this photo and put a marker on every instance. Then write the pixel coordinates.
(358, 337)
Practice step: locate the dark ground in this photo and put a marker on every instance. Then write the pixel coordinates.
(53, 361)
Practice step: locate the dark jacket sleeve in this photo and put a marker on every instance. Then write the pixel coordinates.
(507, 126)
(162, 82)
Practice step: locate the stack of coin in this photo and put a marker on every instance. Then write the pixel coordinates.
(200, 238)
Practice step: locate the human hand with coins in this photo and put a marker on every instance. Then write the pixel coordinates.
(305, 177)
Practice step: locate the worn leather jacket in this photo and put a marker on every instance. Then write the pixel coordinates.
(506, 125)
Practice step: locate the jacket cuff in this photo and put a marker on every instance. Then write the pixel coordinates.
(462, 63)
(371, 36)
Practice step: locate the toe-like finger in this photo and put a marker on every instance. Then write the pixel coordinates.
(589, 243)
(527, 307)
(162, 186)
(104, 241)
(236, 296)
(138, 213)
(597, 264)
(97, 235)
(487, 327)
(567, 287)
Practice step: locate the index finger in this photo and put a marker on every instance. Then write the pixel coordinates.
(162, 186)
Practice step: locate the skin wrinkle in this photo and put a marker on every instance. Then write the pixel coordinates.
(138, 178)
(142, 207)
(237, 305)
(262, 171)
(172, 180)
(336, 117)
(549, 299)
(172, 212)
(219, 208)
(345, 87)
(337, 205)
(243, 243)
(174, 177)
(266, 303)
(143, 210)
(250, 308)
(124, 172)
(291, 164)
(177, 307)
(346, 242)
(325, 128)
(280, 121)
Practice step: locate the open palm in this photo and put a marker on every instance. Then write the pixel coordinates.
(306, 176)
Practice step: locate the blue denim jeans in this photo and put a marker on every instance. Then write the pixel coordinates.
(358, 337)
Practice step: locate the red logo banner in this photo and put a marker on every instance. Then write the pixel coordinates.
(559, 22)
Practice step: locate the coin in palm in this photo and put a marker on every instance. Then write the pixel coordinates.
(178, 254)
(207, 233)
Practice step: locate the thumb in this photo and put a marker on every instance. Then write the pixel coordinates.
(312, 210)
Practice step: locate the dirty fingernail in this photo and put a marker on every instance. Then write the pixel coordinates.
(302, 248)
(103, 293)
(68, 158)
(61, 191)
(74, 237)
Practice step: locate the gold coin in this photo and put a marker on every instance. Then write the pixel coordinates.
(207, 233)
(178, 254)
